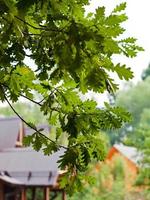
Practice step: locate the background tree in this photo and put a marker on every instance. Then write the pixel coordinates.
(28, 111)
(110, 183)
(146, 73)
(73, 53)
(137, 133)
(134, 98)
(140, 138)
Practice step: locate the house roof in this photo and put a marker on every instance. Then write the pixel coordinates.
(31, 178)
(28, 167)
(9, 179)
(30, 131)
(130, 152)
(9, 128)
(25, 166)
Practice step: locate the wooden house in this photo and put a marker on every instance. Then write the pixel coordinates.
(130, 157)
(23, 171)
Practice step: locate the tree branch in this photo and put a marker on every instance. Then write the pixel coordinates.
(38, 28)
(30, 56)
(28, 124)
(33, 101)
(43, 28)
(38, 103)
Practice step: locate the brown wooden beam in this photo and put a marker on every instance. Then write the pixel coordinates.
(64, 197)
(33, 193)
(46, 193)
(23, 194)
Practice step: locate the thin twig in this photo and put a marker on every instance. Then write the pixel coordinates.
(38, 103)
(38, 28)
(42, 100)
(30, 56)
(28, 124)
(43, 28)
(31, 34)
(33, 101)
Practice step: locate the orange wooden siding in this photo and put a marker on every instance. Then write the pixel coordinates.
(131, 169)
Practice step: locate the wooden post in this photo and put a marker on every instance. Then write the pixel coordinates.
(21, 134)
(23, 194)
(46, 193)
(1, 192)
(64, 195)
(17, 193)
(34, 193)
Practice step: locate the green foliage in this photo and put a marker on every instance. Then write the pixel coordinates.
(38, 193)
(120, 7)
(109, 183)
(72, 54)
(146, 73)
(123, 72)
(141, 140)
(30, 112)
(136, 100)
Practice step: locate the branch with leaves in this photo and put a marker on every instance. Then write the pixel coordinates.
(32, 126)
(71, 50)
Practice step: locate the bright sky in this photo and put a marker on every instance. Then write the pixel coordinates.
(138, 12)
